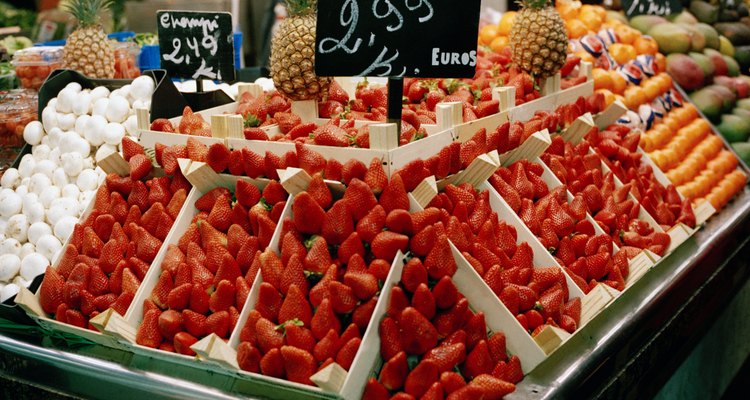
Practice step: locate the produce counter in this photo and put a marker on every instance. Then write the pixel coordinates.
(627, 351)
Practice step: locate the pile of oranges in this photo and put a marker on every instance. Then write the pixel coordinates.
(496, 36)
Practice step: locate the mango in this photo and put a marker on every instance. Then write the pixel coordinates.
(645, 22)
(743, 151)
(709, 102)
(697, 40)
(743, 104)
(704, 12)
(684, 17)
(720, 65)
(710, 34)
(725, 46)
(733, 68)
(728, 96)
(685, 71)
(671, 38)
(734, 128)
(705, 63)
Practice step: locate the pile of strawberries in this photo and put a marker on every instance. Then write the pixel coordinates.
(536, 296)
(205, 280)
(190, 124)
(432, 343)
(334, 256)
(611, 208)
(109, 254)
(617, 146)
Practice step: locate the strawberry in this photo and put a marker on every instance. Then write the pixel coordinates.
(353, 169)
(305, 204)
(140, 166)
(476, 329)
(348, 351)
(440, 262)
(342, 298)
(320, 290)
(51, 291)
(422, 242)
(394, 372)
(327, 347)
(299, 336)
(478, 361)
(169, 158)
(219, 323)
(131, 148)
(399, 221)
(179, 297)
(148, 332)
(295, 306)
(248, 357)
(596, 265)
(272, 364)
(130, 282)
(218, 156)
(414, 273)
(375, 390)
(318, 258)
(371, 224)
(359, 199)
(418, 335)
(397, 302)
(421, 378)
(386, 244)
(298, 364)
(349, 247)
(338, 224)
(122, 303)
(394, 195)
(194, 322)
(310, 160)
(375, 177)
(447, 356)
(324, 320)
(446, 322)
(170, 322)
(491, 387)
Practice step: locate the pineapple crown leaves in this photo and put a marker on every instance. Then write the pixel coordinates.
(534, 4)
(301, 7)
(86, 11)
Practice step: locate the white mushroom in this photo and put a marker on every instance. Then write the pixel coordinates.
(66, 121)
(10, 203)
(100, 107)
(10, 246)
(10, 179)
(33, 132)
(64, 227)
(33, 265)
(48, 246)
(10, 264)
(37, 230)
(18, 227)
(113, 133)
(94, 129)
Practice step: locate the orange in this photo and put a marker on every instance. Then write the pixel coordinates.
(602, 79)
(576, 28)
(646, 45)
(499, 43)
(619, 83)
(651, 88)
(568, 10)
(634, 97)
(599, 11)
(661, 62)
(622, 53)
(626, 34)
(506, 23)
(609, 97)
(487, 33)
(591, 20)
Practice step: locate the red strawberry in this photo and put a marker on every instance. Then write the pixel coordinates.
(295, 306)
(414, 273)
(478, 361)
(299, 364)
(218, 156)
(310, 160)
(423, 301)
(348, 351)
(447, 356)
(394, 195)
(170, 323)
(386, 244)
(440, 262)
(353, 169)
(491, 387)
(219, 323)
(359, 199)
(375, 390)
(248, 357)
(371, 224)
(327, 346)
(314, 216)
(140, 166)
(338, 224)
(224, 296)
(324, 320)
(148, 332)
(51, 291)
(318, 258)
(394, 372)
(448, 321)
(299, 336)
(272, 364)
(131, 148)
(421, 378)
(375, 176)
(418, 334)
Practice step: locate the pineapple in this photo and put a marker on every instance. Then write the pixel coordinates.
(538, 39)
(87, 49)
(293, 53)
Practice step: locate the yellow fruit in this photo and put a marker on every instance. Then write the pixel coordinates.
(626, 34)
(622, 53)
(576, 28)
(487, 33)
(619, 83)
(506, 23)
(602, 79)
(609, 97)
(646, 45)
(499, 43)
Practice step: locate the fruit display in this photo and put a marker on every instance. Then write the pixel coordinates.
(17, 109)
(285, 245)
(87, 48)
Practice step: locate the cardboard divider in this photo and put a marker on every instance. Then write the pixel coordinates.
(254, 89)
(149, 139)
(578, 129)
(448, 115)
(610, 115)
(307, 110)
(423, 194)
(466, 131)
(384, 136)
(114, 163)
(530, 149)
(551, 85)
(525, 111)
(477, 172)
(703, 212)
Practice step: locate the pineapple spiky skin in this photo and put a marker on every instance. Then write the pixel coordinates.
(87, 49)
(538, 39)
(293, 54)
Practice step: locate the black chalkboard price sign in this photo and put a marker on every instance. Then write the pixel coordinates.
(196, 45)
(651, 7)
(396, 38)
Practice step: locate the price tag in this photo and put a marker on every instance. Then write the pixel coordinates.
(651, 7)
(196, 45)
(396, 38)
